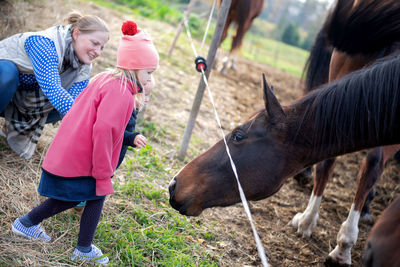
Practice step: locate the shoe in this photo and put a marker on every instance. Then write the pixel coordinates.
(81, 204)
(95, 254)
(35, 232)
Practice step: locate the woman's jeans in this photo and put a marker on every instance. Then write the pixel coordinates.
(9, 82)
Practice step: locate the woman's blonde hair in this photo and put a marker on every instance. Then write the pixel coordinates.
(85, 23)
(127, 77)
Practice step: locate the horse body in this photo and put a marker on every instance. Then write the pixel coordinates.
(383, 242)
(342, 63)
(242, 13)
(280, 141)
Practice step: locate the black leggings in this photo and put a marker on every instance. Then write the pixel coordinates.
(89, 220)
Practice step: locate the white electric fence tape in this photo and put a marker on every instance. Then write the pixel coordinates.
(260, 248)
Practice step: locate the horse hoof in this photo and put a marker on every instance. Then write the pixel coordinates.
(331, 263)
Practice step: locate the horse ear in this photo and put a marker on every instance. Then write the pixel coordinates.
(272, 105)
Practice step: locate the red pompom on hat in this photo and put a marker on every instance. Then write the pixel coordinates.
(136, 50)
(129, 28)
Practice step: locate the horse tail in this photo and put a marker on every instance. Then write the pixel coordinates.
(316, 69)
(364, 26)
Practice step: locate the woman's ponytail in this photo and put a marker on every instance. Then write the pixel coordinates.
(85, 23)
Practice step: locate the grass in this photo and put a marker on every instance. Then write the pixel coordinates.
(274, 53)
(142, 229)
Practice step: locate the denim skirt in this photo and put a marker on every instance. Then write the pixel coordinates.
(68, 188)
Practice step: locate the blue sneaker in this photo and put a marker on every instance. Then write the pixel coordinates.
(35, 232)
(94, 255)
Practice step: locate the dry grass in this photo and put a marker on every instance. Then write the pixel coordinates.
(12, 17)
(236, 96)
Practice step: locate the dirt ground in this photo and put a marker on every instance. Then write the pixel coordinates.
(237, 95)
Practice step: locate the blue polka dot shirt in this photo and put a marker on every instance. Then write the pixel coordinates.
(43, 54)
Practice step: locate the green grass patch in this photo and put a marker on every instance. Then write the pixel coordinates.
(277, 54)
(143, 237)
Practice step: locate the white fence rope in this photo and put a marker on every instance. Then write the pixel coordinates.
(260, 248)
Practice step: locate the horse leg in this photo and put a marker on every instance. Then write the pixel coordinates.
(225, 63)
(223, 37)
(233, 60)
(236, 43)
(388, 152)
(370, 171)
(305, 222)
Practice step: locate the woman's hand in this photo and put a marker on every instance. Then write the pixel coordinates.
(140, 141)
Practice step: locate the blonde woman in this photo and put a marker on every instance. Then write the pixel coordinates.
(41, 74)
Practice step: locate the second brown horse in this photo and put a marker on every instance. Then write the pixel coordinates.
(242, 13)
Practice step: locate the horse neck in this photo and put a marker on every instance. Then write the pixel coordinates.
(344, 117)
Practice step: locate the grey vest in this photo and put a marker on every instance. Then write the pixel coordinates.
(12, 49)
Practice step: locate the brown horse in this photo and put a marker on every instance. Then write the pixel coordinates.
(243, 13)
(383, 243)
(341, 21)
(278, 142)
(285, 155)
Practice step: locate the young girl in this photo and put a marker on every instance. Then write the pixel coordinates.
(41, 74)
(84, 153)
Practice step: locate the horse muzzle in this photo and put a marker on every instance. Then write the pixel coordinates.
(184, 207)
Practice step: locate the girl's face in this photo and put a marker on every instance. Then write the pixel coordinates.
(88, 46)
(144, 76)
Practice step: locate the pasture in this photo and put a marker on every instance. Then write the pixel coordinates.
(138, 227)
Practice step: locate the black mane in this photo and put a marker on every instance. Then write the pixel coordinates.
(363, 104)
(316, 69)
(366, 28)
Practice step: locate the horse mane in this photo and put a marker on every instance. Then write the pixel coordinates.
(361, 104)
(363, 26)
(316, 69)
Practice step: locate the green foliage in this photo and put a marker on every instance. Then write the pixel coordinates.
(194, 23)
(155, 9)
(141, 235)
(151, 130)
(147, 158)
(291, 35)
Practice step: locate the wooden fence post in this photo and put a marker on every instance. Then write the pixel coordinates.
(223, 13)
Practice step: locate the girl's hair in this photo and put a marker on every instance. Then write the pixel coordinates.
(126, 77)
(85, 23)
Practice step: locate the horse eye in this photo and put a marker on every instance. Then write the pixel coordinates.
(238, 136)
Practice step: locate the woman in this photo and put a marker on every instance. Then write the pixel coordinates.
(41, 74)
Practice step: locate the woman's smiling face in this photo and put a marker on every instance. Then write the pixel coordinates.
(89, 46)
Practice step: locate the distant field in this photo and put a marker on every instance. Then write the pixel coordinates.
(271, 52)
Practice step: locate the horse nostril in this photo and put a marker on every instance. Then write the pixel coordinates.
(172, 187)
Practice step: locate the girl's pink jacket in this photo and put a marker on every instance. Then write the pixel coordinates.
(89, 140)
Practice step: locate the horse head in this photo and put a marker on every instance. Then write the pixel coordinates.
(259, 149)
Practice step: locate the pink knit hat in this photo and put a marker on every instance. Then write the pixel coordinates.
(136, 50)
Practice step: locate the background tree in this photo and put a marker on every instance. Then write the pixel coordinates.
(291, 35)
